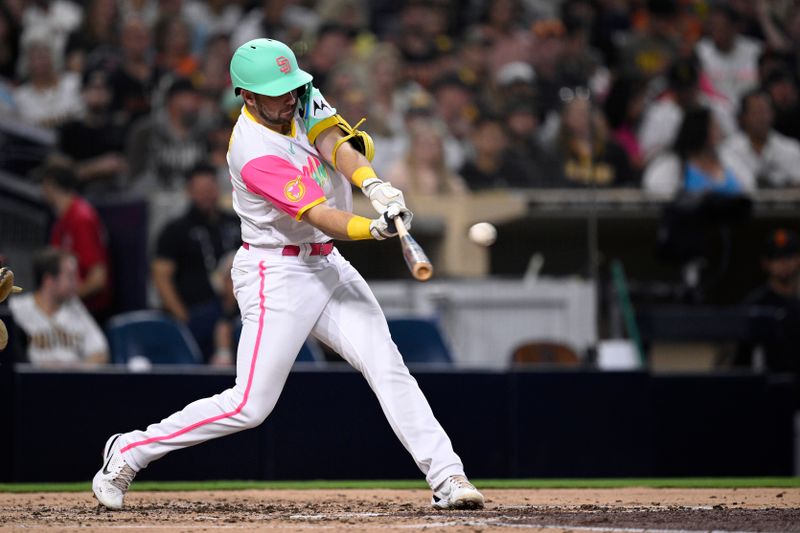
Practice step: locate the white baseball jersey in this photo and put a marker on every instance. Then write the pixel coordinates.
(69, 336)
(276, 178)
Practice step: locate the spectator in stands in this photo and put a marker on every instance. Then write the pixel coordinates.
(623, 108)
(455, 105)
(59, 332)
(650, 51)
(522, 122)
(388, 100)
(695, 165)
(504, 25)
(783, 90)
(758, 151)
(492, 166)
(662, 118)
(514, 82)
(96, 141)
(174, 48)
(209, 19)
(587, 155)
(422, 106)
(214, 79)
(52, 20)
(281, 20)
(145, 11)
(164, 146)
(50, 97)
(187, 253)
(10, 31)
(728, 59)
(549, 44)
(781, 262)
(422, 170)
(136, 76)
(78, 230)
(93, 44)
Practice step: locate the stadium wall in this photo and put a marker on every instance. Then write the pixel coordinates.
(328, 425)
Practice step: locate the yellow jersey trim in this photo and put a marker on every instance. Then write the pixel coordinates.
(307, 207)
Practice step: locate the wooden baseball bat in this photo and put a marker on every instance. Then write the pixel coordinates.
(416, 259)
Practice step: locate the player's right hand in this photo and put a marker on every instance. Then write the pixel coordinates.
(384, 227)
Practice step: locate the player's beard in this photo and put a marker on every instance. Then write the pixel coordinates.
(281, 120)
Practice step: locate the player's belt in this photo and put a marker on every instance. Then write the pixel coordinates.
(317, 248)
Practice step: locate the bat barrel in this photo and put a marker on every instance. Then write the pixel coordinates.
(422, 271)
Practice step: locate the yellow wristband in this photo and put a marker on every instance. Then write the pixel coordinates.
(358, 228)
(361, 174)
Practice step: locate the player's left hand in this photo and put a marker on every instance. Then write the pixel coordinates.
(384, 227)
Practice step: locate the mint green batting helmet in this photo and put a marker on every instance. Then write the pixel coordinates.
(266, 66)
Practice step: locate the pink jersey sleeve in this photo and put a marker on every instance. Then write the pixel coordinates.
(276, 179)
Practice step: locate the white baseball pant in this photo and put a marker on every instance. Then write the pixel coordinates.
(282, 299)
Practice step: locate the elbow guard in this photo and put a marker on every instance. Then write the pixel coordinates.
(360, 140)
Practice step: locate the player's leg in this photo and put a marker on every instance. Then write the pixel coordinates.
(276, 322)
(353, 324)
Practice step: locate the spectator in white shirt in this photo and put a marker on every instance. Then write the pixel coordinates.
(662, 117)
(695, 165)
(50, 97)
(728, 59)
(59, 330)
(772, 159)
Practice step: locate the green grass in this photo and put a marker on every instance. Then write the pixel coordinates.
(685, 483)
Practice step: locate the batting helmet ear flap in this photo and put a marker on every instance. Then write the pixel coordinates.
(360, 140)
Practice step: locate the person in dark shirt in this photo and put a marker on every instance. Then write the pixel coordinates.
(187, 253)
(493, 165)
(587, 155)
(96, 141)
(163, 147)
(781, 261)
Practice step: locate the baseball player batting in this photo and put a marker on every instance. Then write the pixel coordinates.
(292, 159)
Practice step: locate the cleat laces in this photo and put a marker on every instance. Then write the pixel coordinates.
(460, 482)
(123, 480)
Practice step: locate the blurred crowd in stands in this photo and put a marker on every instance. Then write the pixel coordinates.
(459, 95)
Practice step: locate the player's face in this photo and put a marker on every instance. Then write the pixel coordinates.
(276, 111)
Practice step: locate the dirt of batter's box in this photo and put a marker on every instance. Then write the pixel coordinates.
(768, 510)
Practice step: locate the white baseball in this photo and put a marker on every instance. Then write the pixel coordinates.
(483, 234)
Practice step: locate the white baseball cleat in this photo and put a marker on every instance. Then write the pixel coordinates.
(457, 493)
(112, 481)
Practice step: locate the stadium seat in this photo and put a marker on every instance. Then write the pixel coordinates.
(153, 335)
(419, 340)
(544, 353)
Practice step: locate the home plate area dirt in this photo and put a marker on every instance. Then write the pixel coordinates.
(600, 510)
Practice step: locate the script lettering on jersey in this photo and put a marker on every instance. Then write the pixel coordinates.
(55, 339)
(283, 64)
